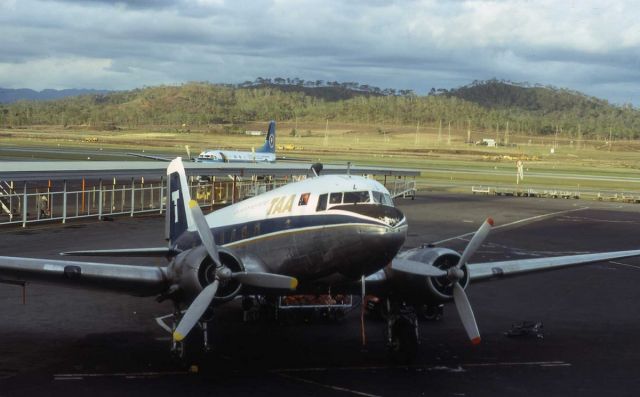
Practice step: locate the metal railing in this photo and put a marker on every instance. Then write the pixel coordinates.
(26, 204)
(111, 200)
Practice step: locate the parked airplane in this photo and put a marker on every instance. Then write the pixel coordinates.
(267, 153)
(338, 233)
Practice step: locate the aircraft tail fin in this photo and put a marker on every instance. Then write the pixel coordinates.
(178, 217)
(270, 142)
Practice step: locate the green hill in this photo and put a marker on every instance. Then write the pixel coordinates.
(483, 105)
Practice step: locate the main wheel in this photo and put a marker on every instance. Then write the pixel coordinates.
(404, 341)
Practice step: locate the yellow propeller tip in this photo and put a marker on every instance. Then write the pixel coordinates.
(177, 336)
(294, 283)
(192, 203)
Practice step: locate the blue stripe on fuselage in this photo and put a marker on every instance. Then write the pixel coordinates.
(242, 231)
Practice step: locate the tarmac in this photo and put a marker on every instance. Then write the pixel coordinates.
(75, 342)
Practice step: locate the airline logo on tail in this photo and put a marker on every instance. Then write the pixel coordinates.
(270, 142)
(178, 219)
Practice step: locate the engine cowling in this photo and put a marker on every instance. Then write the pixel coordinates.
(193, 270)
(420, 289)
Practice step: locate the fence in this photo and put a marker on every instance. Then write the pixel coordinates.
(102, 201)
(31, 205)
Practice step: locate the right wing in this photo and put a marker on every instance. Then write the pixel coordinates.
(151, 156)
(488, 270)
(134, 280)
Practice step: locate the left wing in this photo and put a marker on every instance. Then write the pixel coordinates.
(134, 280)
(127, 252)
(488, 270)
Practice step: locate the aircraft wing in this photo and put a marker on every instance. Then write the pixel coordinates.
(134, 280)
(488, 270)
(126, 252)
(150, 156)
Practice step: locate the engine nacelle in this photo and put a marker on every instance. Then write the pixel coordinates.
(420, 289)
(192, 270)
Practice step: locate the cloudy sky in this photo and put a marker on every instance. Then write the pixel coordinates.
(590, 46)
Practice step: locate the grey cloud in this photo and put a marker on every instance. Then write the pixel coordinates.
(377, 43)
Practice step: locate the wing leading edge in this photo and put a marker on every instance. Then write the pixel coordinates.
(489, 270)
(134, 280)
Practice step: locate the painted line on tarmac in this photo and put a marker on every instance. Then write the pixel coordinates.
(327, 386)
(519, 364)
(459, 368)
(530, 219)
(624, 264)
(126, 375)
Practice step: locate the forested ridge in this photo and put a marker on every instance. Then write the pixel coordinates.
(487, 105)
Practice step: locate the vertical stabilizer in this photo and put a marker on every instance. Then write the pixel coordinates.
(178, 216)
(270, 142)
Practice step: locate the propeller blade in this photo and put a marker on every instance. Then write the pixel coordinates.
(195, 311)
(418, 268)
(266, 280)
(204, 232)
(466, 313)
(476, 241)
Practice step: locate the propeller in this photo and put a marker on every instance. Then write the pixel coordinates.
(195, 311)
(454, 274)
(222, 273)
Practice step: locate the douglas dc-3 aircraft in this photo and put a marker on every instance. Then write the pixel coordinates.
(338, 233)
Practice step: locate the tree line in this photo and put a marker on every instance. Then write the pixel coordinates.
(488, 105)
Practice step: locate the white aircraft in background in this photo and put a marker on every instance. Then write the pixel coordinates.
(265, 154)
(337, 233)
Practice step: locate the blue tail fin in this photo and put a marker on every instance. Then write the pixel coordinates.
(270, 143)
(178, 218)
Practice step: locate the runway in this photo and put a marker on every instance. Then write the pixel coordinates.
(73, 342)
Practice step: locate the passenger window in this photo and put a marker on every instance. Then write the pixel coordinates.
(243, 231)
(322, 202)
(304, 198)
(256, 229)
(335, 198)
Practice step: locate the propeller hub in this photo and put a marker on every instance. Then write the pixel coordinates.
(223, 273)
(455, 274)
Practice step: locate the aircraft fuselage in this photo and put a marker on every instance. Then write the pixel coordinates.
(324, 231)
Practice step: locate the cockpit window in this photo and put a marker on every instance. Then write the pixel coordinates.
(386, 200)
(355, 197)
(322, 202)
(382, 198)
(335, 198)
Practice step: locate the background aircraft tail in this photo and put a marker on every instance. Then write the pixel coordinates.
(270, 143)
(178, 217)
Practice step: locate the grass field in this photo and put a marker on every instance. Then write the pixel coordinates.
(444, 159)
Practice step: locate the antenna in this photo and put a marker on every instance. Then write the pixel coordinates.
(316, 168)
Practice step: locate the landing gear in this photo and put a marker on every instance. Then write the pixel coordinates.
(178, 349)
(402, 331)
(191, 348)
(430, 312)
